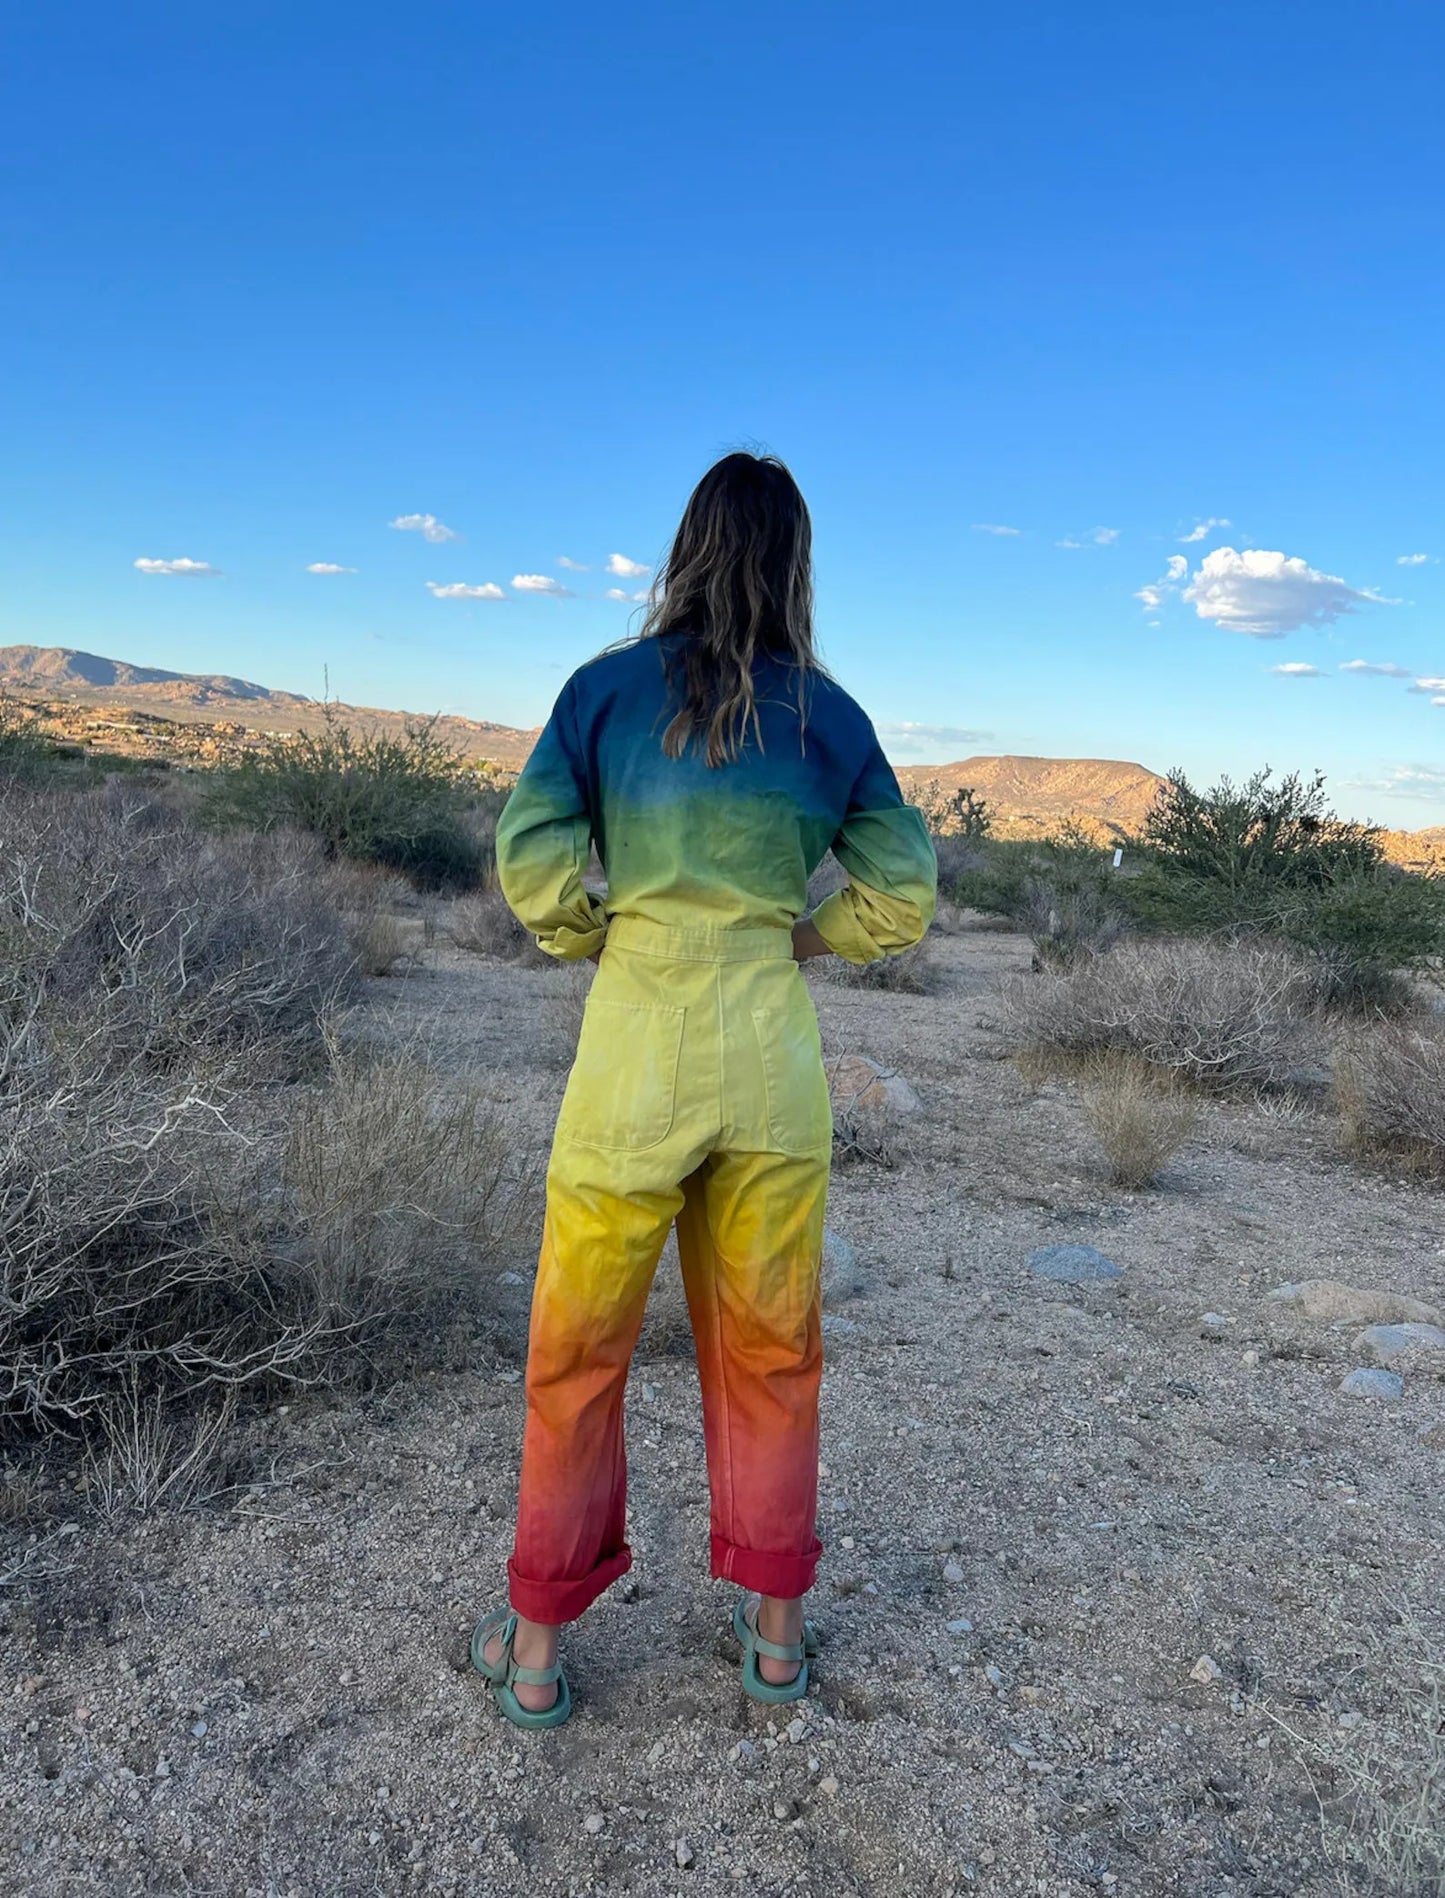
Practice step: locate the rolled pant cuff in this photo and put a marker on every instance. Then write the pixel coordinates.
(766, 1571)
(556, 1602)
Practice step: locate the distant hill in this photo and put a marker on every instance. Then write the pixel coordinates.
(60, 678)
(1033, 796)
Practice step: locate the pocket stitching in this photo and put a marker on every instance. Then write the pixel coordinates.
(657, 1011)
(761, 1017)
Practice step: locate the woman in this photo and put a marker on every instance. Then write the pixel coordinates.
(713, 763)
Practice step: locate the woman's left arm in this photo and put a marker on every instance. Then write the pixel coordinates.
(544, 839)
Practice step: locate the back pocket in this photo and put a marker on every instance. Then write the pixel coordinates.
(800, 1118)
(622, 1091)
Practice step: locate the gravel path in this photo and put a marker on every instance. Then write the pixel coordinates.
(1096, 1572)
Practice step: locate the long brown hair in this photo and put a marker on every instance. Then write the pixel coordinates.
(738, 582)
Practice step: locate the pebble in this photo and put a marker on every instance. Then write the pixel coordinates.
(952, 1572)
(683, 1853)
(784, 1809)
(828, 1785)
(797, 1731)
(1206, 1670)
(656, 1751)
(1073, 1265)
(1333, 1303)
(1388, 1386)
(163, 1767)
(199, 1729)
(1214, 1324)
(849, 1542)
(744, 1750)
(594, 1823)
(961, 1626)
(1433, 1436)
(510, 1278)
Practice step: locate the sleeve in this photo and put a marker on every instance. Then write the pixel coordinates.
(544, 838)
(892, 890)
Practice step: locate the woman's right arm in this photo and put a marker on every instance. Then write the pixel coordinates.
(544, 837)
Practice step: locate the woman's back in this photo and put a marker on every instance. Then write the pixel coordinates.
(686, 844)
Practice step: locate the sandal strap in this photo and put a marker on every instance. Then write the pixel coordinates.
(774, 1650)
(535, 1676)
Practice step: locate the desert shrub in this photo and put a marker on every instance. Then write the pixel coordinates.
(959, 858)
(150, 980)
(953, 810)
(406, 803)
(1390, 1089)
(369, 901)
(1270, 859)
(25, 756)
(401, 1186)
(484, 925)
(1139, 1120)
(1061, 891)
(1241, 1015)
(912, 973)
(565, 1002)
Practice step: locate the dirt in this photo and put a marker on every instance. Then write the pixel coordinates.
(1098, 1576)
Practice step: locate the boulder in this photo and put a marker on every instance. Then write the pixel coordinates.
(1333, 1303)
(1073, 1265)
(842, 1274)
(1411, 1347)
(1387, 1386)
(854, 1080)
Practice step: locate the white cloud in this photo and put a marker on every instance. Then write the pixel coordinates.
(1203, 529)
(1425, 781)
(1428, 685)
(626, 569)
(1367, 668)
(621, 593)
(907, 735)
(1267, 595)
(1297, 670)
(1096, 537)
(541, 583)
(459, 590)
(179, 569)
(1155, 594)
(996, 527)
(1415, 560)
(328, 566)
(573, 566)
(427, 525)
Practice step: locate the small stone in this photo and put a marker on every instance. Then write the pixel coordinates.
(797, 1731)
(961, 1626)
(163, 1767)
(683, 1853)
(1031, 1696)
(1073, 1265)
(835, 1327)
(842, 1274)
(594, 1823)
(1410, 1346)
(992, 1675)
(870, 1588)
(743, 1751)
(510, 1278)
(1386, 1386)
(649, 1393)
(1206, 1670)
(849, 1542)
(952, 1572)
(1214, 1324)
(656, 1751)
(785, 1809)
(1332, 1303)
(828, 1785)
(1350, 1719)
(1250, 1360)
(199, 1729)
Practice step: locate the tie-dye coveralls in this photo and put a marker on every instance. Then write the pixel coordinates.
(697, 1096)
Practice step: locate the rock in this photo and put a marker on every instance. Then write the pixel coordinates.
(797, 1731)
(199, 1729)
(1073, 1265)
(828, 1785)
(1412, 1346)
(784, 1809)
(962, 1626)
(1385, 1385)
(855, 1081)
(952, 1572)
(1433, 1436)
(1333, 1303)
(1206, 1670)
(594, 1823)
(683, 1854)
(1214, 1324)
(842, 1274)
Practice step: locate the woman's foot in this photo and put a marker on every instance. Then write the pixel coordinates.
(533, 1645)
(781, 1622)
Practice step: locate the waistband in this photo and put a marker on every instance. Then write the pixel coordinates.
(700, 945)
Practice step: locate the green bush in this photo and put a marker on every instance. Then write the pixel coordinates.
(1266, 859)
(25, 756)
(1062, 891)
(406, 803)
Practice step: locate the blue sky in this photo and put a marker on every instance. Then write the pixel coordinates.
(1099, 276)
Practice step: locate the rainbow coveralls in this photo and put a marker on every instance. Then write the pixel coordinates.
(697, 1096)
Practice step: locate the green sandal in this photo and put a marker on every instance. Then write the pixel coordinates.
(753, 1644)
(504, 1672)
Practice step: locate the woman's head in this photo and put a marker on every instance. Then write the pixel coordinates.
(738, 584)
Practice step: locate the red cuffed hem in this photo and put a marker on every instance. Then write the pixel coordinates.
(766, 1571)
(556, 1602)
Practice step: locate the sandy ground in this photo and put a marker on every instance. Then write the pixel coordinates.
(1044, 1506)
